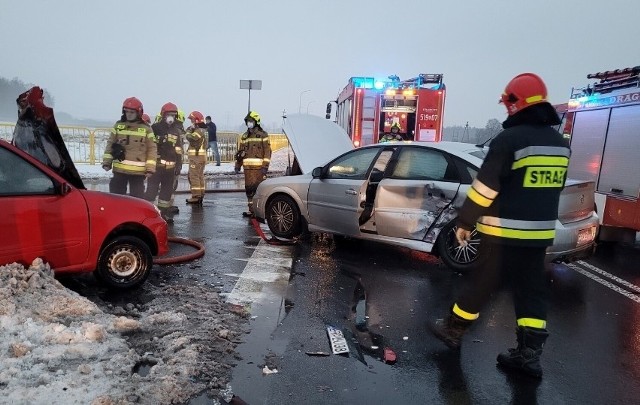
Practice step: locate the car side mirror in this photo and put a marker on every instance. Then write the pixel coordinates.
(63, 188)
(317, 173)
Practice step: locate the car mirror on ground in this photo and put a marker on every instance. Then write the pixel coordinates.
(317, 172)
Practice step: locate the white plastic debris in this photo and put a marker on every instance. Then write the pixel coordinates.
(266, 370)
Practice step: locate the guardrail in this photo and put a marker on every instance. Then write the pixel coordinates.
(86, 145)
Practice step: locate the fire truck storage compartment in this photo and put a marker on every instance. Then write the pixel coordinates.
(368, 135)
(604, 149)
(620, 172)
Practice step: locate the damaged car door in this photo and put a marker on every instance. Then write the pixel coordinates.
(335, 196)
(421, 184)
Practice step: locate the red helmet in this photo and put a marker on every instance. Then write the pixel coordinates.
(133, 103)
(523, 91)
(196, 117)
(169, 107)
(146, 119)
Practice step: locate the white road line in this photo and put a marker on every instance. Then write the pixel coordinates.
(610, 276)
(604, 282)
(268, 267)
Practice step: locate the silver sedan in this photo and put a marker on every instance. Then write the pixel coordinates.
(404, 194)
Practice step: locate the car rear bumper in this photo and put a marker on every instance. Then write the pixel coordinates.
(567, 247)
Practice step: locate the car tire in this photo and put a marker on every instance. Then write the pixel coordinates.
(283, 217)
(125, 262)
(458, 258)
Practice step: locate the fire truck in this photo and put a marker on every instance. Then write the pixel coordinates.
(367, 108)
(602, 122)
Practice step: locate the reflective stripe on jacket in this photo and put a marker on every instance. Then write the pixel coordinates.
(514, 198)
(140, 148)
(254, 150)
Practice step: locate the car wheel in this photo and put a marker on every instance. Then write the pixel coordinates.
(457, 257)
(283, 217)
(125, 262)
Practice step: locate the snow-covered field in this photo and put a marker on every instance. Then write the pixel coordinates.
(58, 347)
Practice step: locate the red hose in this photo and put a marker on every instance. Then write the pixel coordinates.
(272, 240)
(182, 258)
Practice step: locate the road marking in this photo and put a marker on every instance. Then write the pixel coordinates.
(604, 282)
(268, 268)
(618, 280)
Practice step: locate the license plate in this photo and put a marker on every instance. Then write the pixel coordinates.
(586, 235)
(337, 340)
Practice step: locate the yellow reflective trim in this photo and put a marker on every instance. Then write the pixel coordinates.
(484, 189)
(544, 177)
(532, 323)
(151, 162)
(252, 161)
(133, 133)
(541, 161)
(515, 233)
(107, 156)
(533, 99)
(478, 198)
(464, 314)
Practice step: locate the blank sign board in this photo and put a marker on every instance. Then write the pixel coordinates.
(251, 84)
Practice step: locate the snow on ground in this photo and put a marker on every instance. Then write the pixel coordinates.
(279, 162)
(58, 347)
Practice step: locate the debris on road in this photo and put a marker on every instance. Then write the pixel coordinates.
(389, 355)
(266, 370)
(337, 340)
(318, 353)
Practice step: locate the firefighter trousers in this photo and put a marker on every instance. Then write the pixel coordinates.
(119, 182)
(252, 178)
(520, 268)
(160, 185)
(196, 175)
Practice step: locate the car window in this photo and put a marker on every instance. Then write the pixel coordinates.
(19, 177)
(423, 164)
(353, 165)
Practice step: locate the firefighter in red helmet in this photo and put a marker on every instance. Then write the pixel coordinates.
(513, 205)
(197, 137)
(146, 119)
(168, 132)
(254, 153)
(131, 151)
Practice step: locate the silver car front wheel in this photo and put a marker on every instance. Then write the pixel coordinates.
(457, 257)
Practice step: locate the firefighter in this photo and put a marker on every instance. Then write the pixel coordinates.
(168, 133)
(393, 136)
(146, 119)
(174, 209)
(254, 153)
(131, 151)
(513, 203)
(197, 137)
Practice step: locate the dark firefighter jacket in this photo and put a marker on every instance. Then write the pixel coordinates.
(169, 140)
(254, 151)
(514, 198)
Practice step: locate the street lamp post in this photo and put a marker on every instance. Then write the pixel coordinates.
(308, 104)
(300, 103)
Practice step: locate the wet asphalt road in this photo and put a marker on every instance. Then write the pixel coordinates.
(383, 297)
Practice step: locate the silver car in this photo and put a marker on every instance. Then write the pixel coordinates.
(404, 194)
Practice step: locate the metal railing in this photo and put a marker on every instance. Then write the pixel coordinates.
(87, 145)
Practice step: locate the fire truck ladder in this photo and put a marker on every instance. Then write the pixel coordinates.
(610, 80)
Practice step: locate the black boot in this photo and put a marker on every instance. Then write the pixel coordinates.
(167, 215)
(450, 330)
(197, 200)
(525, 357)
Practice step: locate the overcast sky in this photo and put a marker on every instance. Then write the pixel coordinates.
(91, 55)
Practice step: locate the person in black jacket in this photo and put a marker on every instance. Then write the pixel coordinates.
(213, 138)
(513, 203)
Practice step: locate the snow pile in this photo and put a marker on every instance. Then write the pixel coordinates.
(59, 347)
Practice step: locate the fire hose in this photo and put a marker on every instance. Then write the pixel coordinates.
(182, 258)
(273, 240)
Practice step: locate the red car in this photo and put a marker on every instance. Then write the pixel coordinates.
(74, 230)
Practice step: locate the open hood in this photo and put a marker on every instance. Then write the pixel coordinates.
(315, 140)
(37, 134)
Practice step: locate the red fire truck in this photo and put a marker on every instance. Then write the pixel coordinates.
(368, 107)
(602, 122)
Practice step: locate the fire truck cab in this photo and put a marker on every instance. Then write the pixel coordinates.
(602, 122)
(367, 108)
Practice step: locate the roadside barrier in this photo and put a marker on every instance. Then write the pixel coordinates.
(87, 145)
